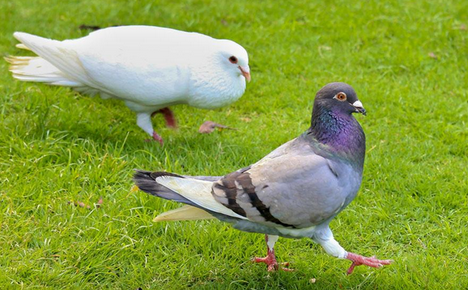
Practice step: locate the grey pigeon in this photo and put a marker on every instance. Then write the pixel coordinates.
(294, 192)
(149, 68)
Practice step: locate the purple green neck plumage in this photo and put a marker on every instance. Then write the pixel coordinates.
(338, 133)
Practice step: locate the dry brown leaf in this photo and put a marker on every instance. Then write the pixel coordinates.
(209, 126)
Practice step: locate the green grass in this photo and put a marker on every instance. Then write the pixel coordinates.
(57, 147)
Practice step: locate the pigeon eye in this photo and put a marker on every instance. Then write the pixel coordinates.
(233, 59)
(340, 96)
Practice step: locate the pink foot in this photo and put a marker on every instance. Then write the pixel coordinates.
(368, 261)
(271, 262)
(168, 116)
(156, 137)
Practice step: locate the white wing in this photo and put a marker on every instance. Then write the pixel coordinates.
(142, 64)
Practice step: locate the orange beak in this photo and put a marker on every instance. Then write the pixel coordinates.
(245, 70)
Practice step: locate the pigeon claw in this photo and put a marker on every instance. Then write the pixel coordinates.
(272, 264)
(359, 260)
(209, 126)
(156, 137)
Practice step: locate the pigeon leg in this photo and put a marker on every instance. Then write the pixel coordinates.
(270, 259)
(168, 116)
(144, 122)
(368, 261)
(333, 248)
(156, 137)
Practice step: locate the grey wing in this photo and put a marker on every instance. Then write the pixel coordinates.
(290, 187)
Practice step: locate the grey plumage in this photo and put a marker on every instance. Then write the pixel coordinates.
(296, 190)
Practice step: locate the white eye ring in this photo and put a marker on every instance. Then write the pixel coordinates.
(340, 96)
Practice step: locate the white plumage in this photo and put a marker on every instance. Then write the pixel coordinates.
(149, 68)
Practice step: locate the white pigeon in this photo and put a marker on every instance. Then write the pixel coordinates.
(149, 68)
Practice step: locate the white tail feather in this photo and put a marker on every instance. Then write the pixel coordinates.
(22, 46)
(56, 53)
(186, 212)
(198, 192)
(56, 65)
(37, 69)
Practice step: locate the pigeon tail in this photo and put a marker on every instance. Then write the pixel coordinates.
(56, 64)
(37, 69)
(146, 181)
(191, 191)
(184, 213)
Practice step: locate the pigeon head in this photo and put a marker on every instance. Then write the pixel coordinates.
(334, 126)
(340, 98)
(234, 58)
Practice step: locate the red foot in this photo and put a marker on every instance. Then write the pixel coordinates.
(156, 137)
(168, 116)
(271, 262)
(368, 261)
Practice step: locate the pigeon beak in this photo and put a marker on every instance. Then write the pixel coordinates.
(245, 70)
(359, 108)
